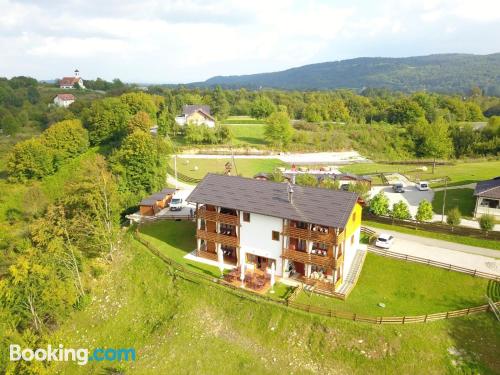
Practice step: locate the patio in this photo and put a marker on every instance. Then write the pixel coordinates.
(254, 279)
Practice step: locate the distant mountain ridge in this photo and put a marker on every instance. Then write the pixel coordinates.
(451, 73)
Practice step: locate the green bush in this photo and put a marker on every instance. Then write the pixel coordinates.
(454, 216)
(487, 222)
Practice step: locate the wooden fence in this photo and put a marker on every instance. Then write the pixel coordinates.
(290, 303)
(429, 262)
(434, 227)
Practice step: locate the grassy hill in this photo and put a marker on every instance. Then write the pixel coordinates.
(181, 327)
(439, 73)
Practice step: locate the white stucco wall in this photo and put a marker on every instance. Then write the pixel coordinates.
(256, 238)
(350, 251)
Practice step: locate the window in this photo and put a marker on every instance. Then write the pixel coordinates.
(246, 216)
(276, 235)
(354, 217)
(352, 239)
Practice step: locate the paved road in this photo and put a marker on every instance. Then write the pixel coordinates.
(485, 260)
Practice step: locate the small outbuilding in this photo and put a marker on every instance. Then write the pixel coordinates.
(487, 195)
(64, 100)
(156, 202)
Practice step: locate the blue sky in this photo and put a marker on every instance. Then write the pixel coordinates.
(192, 40)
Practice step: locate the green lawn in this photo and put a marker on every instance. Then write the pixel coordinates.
(461, 173)
(183, 327)
(176, 240)
(489, 244)
(244, 167)
(406, 289)
(252, 134)
(461, 198)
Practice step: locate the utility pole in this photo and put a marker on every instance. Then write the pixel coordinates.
(175, 170)
(234, 162)
(444, 198)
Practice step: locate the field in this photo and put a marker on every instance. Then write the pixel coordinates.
(406, 289)
(182, 327)
(461, 198)
(244, 167)
(246, 131)
(461, 173)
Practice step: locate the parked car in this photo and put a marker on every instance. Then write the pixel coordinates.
(423, 186)
(398, 187)
(176, 204)
(384, 241)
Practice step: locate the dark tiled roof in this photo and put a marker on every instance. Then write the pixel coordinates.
(489, 188)
(312, 205)
(191, 108)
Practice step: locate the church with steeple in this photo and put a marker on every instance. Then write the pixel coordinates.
(70, 82)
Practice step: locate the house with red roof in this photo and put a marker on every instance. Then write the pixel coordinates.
(69, 82)
(64, 100)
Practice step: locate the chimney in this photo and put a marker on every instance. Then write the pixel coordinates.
(290, 193)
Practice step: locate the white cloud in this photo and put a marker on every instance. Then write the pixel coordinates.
(187, 40)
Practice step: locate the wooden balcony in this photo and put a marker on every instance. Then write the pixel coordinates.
(217, 237)
(303, 257)
(207, 255)
(306, 234)
(216, 216)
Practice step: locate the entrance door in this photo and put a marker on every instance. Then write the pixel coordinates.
(259, 262)
(262, 263)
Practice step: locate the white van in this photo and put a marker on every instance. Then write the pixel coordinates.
(423, 186)
(176, 204)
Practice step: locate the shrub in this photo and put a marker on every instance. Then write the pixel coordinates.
(487, 222)
(379, 204)
(424, 211)
(306, 180)
(454, 216)
(401, 211)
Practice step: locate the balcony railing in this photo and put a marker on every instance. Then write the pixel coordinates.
(310, 235)
(217, 237)
(217, 216)
(303, 257)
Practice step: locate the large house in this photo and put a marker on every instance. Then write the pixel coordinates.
(304, 233)
(64, 100)
(196, 114)
(487, 195)
(69, 82)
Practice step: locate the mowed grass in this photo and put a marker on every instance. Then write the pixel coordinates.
(406, 289)
(461, 198)
(176, 240)
(179, 326)
(471, 241)
(252, 135)
(198, 168)
(461, 173)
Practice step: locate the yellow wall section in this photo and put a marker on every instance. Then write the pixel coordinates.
(354, 222)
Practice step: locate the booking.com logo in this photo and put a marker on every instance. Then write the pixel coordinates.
(81, 356)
